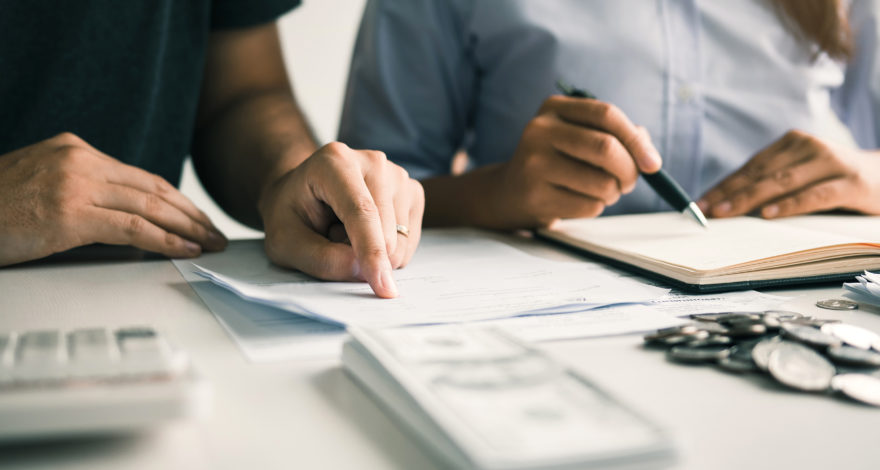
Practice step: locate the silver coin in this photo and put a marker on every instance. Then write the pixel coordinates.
(681, 339)
(712, 340)
(739, 366)
(664, 333)
(854, 356)
(799, 367)
(809, 335)
(723, 317)
(712, 327)
(852, 335)
(837, 304)
(859, 387)
(746, 330)
(706, 354)
(761, 351)
(783, 315)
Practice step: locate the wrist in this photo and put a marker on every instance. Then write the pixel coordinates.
(470, 199)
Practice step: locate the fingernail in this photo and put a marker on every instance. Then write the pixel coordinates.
(770, 211)
(722, 207)
(191, 248)
(386, 280)
(703, 205)
(216, 238)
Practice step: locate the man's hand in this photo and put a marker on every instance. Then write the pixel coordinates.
(575, 157)
(340, 193)
(799, 174)
(62, 193)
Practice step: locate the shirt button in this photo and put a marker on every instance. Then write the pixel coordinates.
(686, 93)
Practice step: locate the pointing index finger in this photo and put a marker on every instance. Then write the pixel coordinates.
(351, 201)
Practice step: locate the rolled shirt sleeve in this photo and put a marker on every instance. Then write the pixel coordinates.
(411, 84)
(233, 14)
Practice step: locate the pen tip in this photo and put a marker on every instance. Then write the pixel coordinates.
(697, 214)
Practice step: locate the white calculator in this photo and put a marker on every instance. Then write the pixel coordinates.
(93, 381)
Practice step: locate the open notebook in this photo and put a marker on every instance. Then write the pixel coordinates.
(731, 254)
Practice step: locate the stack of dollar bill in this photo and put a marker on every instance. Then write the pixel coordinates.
(800, 352)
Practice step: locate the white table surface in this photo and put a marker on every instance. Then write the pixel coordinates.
(310, 414)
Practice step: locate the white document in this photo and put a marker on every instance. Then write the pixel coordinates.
(608, 321)
(263, 333)
(455, 276)
(681, 305)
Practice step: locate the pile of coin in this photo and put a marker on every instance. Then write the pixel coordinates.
(800, 352)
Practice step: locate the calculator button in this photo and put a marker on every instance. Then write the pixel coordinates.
(5, 359)
(92, 353)
(142, 351)
(40, 356)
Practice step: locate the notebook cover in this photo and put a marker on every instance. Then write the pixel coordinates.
(705, 288)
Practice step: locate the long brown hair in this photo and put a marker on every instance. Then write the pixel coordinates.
(821, 23)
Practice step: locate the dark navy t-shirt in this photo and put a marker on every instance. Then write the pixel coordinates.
(123, 75)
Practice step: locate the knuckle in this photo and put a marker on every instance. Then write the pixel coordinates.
(605, 144)
(376, 157)
(610, 191)
(71, 156)
(364, 207)
(152, 205)
(160, 185)
(538, 126)
(606, 111)
(783, 178)
(133, 225)
(68, 138)
(375, 254)
(402, 174)
(171, 240)
(335, 147)
(795, 134)
(554, 101)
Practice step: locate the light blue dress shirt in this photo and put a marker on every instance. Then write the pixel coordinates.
(714, 82)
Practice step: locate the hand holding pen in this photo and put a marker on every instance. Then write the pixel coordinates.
(575, 157)
(659, 180)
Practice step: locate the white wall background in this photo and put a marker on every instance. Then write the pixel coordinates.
(318, 38)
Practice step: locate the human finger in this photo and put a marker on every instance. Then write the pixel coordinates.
(611, 119)
(780, 154)
(382, 180)
(123, 228)
(348, 196)
(822, 196)
(583, 178)
(158, 211)
(563, 203)
(780, 182)
(295, 245)
(599, 149)
(416, 213)
(127, 175)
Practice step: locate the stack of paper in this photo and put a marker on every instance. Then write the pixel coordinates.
(454, 277)
(868, 287)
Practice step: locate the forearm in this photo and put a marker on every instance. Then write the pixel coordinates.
(250, 144)
(467, 199)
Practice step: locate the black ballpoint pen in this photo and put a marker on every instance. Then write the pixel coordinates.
(663, 184)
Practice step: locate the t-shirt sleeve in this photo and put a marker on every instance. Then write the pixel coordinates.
(410, 84)
(231, 14)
